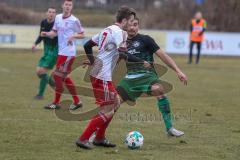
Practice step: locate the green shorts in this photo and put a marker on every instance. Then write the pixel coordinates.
(48, 60)
(132, 86)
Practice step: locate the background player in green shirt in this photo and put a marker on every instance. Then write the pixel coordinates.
(48, 60)
(141, 80)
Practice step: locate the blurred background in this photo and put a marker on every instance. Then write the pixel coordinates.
(167, 21)
(222, 15)
(207, 110)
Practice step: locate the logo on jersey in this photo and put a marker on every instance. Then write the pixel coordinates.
(110, 47)
(133, 51)
(136, 44)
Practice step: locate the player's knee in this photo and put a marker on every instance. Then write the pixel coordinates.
(157, 90)
(41, 71)
(58, 73)
(40, 74)
(117, 103)
(108, 110)
(117, 100)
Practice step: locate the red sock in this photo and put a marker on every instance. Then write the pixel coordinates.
(58, 88)
(95, 123)
(101, 132)
(72, 89)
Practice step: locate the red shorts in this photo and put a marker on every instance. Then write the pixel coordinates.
(104, 91)
(64, 63)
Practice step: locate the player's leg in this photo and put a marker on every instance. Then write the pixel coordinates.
(46, 63)
(107, 99)
(113, 101)
(164, 107)
(199, 45)
(67, 67)
(72, 90)
(100, 139)
(190, 52)
(41, 71)
(58, 76)
(43, 76)
(126, 93)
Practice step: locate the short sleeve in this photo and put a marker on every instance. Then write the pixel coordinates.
(120, 39)
(78, 27)
(151, 44)
(95, 39)
(55, 26)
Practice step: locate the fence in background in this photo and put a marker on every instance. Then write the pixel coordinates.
(177, 42)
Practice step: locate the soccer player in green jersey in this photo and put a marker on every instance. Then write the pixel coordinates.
(48, 60)
(141, 80)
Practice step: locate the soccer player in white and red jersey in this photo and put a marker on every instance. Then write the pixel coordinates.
(111, 43)
(68, 28)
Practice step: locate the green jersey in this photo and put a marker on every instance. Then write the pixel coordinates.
(141, 46)
(46, 27)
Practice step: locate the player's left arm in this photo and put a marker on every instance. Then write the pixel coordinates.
(154, 48)
(51, 34)
(171, 63)
(123, 54)
(78, 35)
(79, 32)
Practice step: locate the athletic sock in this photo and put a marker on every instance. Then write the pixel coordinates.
(164, 108)
(58, 88)
(95, 123)
(100, 135)
(43, 84)
(72, 89)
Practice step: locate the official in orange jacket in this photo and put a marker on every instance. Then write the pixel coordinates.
(198, 27)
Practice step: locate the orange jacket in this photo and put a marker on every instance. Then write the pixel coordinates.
(197, 29)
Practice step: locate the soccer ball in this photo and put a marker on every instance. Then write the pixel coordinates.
(134, 140)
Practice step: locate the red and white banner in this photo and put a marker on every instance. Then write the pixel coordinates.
(223, 44)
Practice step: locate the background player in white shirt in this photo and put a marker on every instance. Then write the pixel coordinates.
(111, 41)
(68, 28)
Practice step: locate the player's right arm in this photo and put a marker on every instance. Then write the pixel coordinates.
(53, 32)
(120, 40)
(39, 38)
(50, 34)
(89, 51)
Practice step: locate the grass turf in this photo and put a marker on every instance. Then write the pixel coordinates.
(207, 110)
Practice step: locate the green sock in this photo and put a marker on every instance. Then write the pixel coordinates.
(164, 108)
(43, 83)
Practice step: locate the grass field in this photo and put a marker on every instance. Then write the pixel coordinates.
(207, 110)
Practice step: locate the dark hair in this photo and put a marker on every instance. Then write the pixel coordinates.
(67, 1)
(51, 7)
(124, 12)
(137, 19)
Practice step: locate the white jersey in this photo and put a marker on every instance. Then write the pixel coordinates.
(65, 28)
(109, 41)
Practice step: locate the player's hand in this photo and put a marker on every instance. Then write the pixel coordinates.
(86, 63)
(182, 77)
(43, 34)
(146, 64)
(70, 41)
(34, 48)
